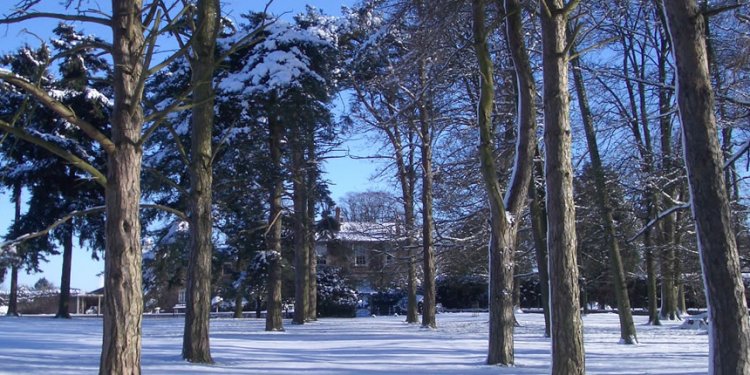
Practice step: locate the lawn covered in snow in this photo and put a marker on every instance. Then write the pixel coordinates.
(368, 345)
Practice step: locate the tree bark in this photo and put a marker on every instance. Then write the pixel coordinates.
(273, 237)
(407, 179)
(123, 293)
(241, 267)
(627, 327)
(312, 197)
(13, 297)
(567, 335)
(653, 297)
(301, 253)
(428, 250)
(503, 224)
(730, 326)
(539, 233)
(195, 341)
(63, 308)
(669, 306)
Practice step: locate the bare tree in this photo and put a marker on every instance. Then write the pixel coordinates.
(567, 331)
(503, 214)
(627, 327)
(730, 325)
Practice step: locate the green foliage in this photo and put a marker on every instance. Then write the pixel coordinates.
(335, 298)
(462, 292)
(43, 284)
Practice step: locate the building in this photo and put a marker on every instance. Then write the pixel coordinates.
(371, 256)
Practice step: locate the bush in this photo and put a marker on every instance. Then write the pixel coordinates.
(462, 292)
(335, 298)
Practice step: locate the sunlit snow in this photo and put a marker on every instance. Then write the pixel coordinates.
(368, 345)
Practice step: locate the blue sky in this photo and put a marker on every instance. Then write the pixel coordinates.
(345, 174)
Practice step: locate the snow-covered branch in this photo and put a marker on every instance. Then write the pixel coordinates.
(59, 108)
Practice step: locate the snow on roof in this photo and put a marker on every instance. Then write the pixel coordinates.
(368, 232)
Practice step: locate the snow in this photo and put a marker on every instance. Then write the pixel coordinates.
(367, 232)
(367, 345)
(277, 63)
(95, 95)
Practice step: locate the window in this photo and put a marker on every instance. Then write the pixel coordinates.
(388, 259)
(360, 257)
(322, 261)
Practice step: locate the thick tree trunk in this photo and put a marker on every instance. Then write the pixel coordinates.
(502, 240)
(627, 327)
(273, 237)
(503, 224)
(567, 332)
(195, 341)
(730, 326)
(63, 308)
(301, 252)
(123, 293)
(13, 297)
(428, 250)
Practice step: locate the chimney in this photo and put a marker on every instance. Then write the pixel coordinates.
(338, 215)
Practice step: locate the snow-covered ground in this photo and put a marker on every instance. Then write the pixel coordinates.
(370, 345)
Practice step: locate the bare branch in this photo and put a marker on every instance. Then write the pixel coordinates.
(685, 206)
(59, 16)
(720, 9)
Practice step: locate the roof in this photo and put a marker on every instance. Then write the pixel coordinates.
(367, 232)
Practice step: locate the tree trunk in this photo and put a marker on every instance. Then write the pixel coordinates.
(123, 293)
(63, 309)
(539, 232)
(428, 250)
(301, 253)
(274, 321)
(407, 180)
(238, 305)
(241, 267)
(312, 178)
(730, 326)
(13, 297)
(627, 327)
(653, 303)
(195, 341)
(669, 300)
(567, 335)
(503, 224)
